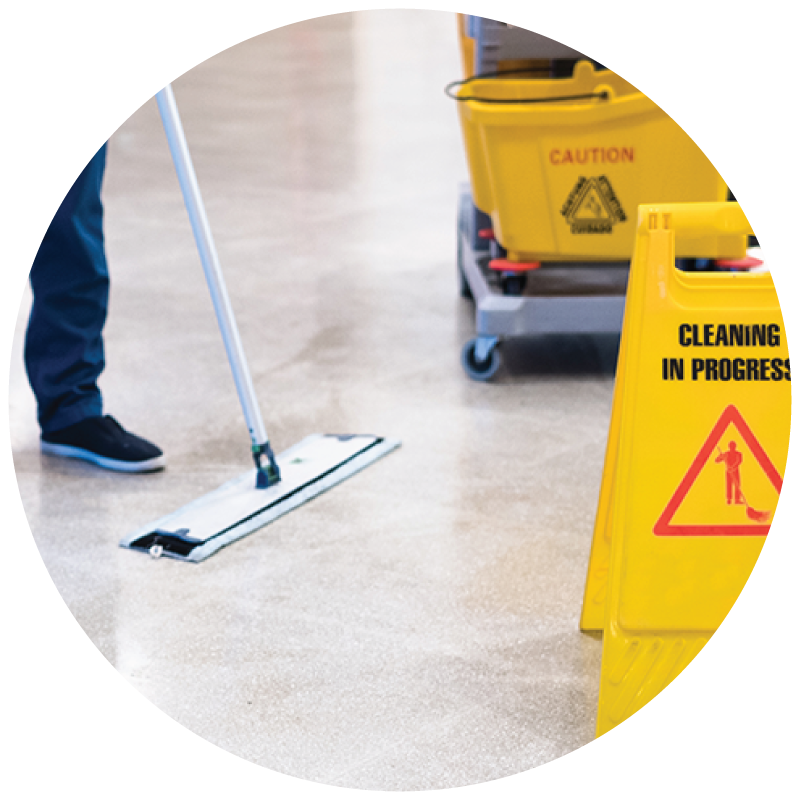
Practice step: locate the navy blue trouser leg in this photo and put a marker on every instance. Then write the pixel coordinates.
(64, 341)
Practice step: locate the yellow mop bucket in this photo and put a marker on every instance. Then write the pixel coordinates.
(561, 165)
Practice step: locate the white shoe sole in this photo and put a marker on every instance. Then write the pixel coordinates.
(68, 451)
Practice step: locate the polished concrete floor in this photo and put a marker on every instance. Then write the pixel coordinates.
(417, 626)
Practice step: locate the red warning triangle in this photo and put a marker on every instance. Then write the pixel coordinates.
(731, 416)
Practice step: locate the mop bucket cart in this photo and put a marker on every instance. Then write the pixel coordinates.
(558, 167)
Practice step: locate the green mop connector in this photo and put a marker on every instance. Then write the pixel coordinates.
(269, 474)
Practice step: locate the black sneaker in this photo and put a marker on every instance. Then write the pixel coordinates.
(103, 441)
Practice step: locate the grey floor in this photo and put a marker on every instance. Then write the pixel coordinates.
(417, 626)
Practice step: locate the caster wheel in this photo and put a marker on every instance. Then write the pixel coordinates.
(479, 370)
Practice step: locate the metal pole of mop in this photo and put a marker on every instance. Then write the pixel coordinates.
(267, 474)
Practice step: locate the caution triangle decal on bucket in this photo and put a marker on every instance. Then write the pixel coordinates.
(697, 446)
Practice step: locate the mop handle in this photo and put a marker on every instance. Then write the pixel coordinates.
(208, 255)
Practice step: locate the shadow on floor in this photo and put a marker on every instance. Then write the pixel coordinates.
(560, 354)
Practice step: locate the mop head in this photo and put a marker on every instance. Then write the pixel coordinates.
(237, 508)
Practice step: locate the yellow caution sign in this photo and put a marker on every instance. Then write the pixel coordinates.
(697, 448)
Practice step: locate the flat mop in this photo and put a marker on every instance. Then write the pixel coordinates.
(277, 484)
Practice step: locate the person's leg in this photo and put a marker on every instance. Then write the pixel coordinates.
(64, 341)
